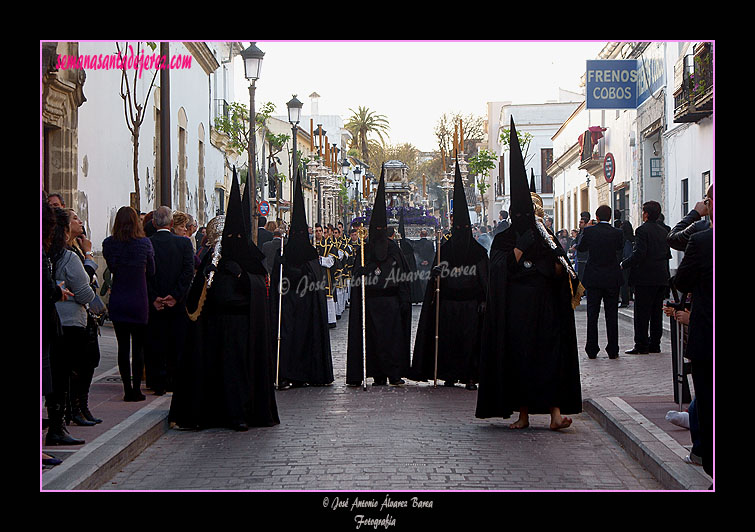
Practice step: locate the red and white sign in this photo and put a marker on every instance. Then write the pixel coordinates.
(609, 167)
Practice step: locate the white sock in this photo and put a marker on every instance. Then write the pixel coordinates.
(680, 419)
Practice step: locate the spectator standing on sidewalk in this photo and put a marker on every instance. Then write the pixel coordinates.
(628, 234)
(131, 259)
(85, 361)
(69, 273)
(693, 222)
(167, 289)
(649, 275)
(695, 276)
(51, 332)
(581, 256)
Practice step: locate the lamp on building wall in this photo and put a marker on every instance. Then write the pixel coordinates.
(252, 57)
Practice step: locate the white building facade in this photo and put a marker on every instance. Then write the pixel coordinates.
(662, 150)
(541, 121)
(200, 78)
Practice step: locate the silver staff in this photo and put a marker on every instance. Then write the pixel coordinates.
(364, 315)
(437, 311)
(280, 311)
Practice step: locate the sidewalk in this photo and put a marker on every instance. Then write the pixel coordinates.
(637, 423)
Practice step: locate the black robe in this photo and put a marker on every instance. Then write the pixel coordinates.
(529, 345)
(388, 323)
(415, 287)
(225, 376)
(305, 355)
(424, 251)
(463, 289)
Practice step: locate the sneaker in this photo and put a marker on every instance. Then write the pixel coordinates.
(693, 459)
(680, 419)
(397, 382)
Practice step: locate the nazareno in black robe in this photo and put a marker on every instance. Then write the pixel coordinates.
(305, 355)
(529, 354)
(388, 318)
(225, 376)
(463, 289)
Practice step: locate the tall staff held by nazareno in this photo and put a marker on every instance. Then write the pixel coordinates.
(364, 314)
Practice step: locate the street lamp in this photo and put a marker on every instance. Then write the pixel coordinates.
(345, 172)
(294, 115)
(252, 57)
(358, 183)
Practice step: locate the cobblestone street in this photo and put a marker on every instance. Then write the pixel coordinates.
(414, 437)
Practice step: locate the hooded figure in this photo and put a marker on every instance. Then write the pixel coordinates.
(305, 356)
(529, 358)
(387, 305)
(407, 248)
(226, 376)
(463, 273)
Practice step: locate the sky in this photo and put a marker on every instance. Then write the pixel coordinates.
(413, 83)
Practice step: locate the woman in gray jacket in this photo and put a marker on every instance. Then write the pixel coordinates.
(69, 273)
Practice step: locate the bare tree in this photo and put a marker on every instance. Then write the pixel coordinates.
(133, 110)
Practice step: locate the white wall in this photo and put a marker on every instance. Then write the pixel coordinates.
(105, 147)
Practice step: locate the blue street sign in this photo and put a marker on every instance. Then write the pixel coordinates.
(611, 84)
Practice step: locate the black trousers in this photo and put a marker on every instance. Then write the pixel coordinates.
(610, 299)
(130, 338)
(648, 316)
(702, 377)
(166, 332)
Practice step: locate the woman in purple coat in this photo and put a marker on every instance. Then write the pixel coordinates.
(130, 258)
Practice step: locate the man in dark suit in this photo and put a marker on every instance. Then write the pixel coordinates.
(167, 289)
(581, 256)
(272, 248)
(602, 280)
(263, 235)
(695, 276)
(503, 223)
(649, 275)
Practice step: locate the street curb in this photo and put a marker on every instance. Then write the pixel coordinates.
(98, 461)
(653, 449)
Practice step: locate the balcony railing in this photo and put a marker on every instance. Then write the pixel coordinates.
(693, 96)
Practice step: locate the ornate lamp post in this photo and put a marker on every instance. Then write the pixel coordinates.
(294, 116)
(252, 57)
(345, 165)
(358, 184)
(319, 133)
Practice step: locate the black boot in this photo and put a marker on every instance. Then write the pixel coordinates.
(136, 392)
(77, 416)
(84, 406)
(57, 433)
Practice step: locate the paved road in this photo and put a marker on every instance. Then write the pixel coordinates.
(414, 437)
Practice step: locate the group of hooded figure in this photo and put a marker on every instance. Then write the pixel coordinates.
(501, 323)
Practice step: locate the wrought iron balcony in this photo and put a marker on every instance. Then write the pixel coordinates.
(693, 95)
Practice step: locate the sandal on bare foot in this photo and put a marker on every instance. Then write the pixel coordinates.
(565, 422)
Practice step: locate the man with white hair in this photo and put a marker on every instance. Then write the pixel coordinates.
(167, 289)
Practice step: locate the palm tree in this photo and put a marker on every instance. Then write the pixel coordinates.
(364, 122)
